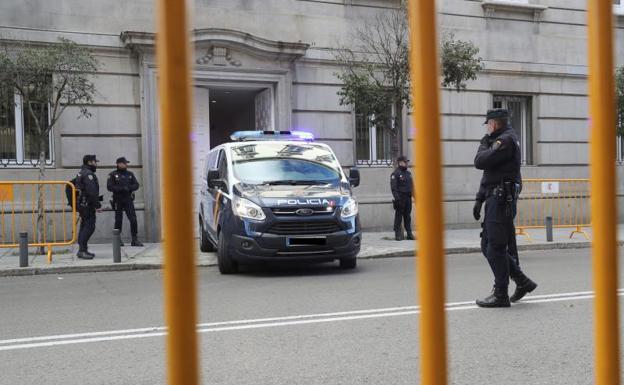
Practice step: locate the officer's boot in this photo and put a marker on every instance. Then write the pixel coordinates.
(136, 242)
(410, 236)
(524, 285)
(398, 235)
(498, 298)
(85, 255)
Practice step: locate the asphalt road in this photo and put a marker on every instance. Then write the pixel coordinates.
(300, 325)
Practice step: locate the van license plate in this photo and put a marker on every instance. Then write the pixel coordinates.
(307, 241)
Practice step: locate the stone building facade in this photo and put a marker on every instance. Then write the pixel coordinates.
(269, 64)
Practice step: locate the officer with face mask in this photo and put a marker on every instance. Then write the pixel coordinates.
(88, 203)
(401, 186)
(122, 183)
(499, 157)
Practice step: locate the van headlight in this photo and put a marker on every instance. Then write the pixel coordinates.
(349, 209)
(247, 209)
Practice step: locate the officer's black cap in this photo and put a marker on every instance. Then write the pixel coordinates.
(498, 113)
(88, 158)
(402, 158)
(122, 160)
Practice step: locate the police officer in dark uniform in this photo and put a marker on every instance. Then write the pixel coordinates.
(499, 157)
(122, 183)
(401, 186)
(88, 203)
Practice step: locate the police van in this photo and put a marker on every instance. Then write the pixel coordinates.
(277, 196)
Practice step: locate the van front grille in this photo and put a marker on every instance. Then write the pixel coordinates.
(304, 228)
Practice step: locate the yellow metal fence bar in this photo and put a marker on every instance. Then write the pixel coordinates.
(429, 211)
(175, 111)
(603, 191)
(13, 220)
(568, 207)
(29, 209)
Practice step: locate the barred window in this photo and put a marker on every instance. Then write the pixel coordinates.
(519, 108)
(372, 144)
(19, 139)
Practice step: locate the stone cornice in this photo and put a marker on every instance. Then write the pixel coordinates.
(492, 6)
(145, 41)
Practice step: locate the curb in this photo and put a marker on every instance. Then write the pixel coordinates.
(30, 271)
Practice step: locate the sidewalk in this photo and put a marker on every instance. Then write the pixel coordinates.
(374, 245)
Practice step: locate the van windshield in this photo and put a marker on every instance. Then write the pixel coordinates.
(285, 163)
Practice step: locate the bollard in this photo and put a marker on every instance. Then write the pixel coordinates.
(23, 249)
(549, 229)
(116, 246)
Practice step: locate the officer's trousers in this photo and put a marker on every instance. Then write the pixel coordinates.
(128, 207)
(403, 213)
(87, 227)
(498, 241)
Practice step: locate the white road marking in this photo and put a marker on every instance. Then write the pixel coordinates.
(115, 335)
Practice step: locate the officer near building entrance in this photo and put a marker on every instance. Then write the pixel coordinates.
(122, 183)
(499, 157)
(401, 186)
(88, 203)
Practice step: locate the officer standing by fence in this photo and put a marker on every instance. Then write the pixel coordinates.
(401, 186)
(122, 183)
(499, 157)
(88, 203)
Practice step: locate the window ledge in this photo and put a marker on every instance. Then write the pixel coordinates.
(492, 6)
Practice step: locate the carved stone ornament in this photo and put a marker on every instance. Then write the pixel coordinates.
(218, 56)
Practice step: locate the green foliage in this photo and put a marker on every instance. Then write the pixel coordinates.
(53, 77)
(375, 71)
(460, 62)
(619, 91)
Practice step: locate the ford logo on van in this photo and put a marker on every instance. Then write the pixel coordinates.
(304, 212)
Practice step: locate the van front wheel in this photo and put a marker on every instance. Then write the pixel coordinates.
(226, 264)
(204, 243)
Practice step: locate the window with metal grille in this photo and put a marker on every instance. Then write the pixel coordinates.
(19, 139)
(373, 144)
(519, 108)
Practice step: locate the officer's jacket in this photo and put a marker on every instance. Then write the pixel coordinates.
(122, 183)
(89, 187)
(499, 157)
(401, 183)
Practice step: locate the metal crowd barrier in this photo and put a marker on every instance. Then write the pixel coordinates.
(566, 201)
(19, 213)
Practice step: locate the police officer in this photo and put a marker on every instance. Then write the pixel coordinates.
(401, 186)
(88, 203)
(122, 183)
(499, 158)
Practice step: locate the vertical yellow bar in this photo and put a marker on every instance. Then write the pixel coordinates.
(53, 211)
(32, 209)
(429, 210)
(603, 190)
(175, 117)
(13, 240)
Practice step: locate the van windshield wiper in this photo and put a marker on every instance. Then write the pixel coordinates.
(292, 182)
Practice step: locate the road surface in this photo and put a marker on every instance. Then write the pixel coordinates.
(300, 325)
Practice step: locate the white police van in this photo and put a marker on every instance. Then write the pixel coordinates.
(278, 196)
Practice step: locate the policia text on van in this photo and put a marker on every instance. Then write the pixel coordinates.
(278, 196)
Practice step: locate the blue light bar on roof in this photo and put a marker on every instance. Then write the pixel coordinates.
(241, 136)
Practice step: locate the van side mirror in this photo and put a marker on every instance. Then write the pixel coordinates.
(214, 180)
(354, 177)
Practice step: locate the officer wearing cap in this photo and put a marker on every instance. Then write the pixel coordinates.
(401, 186)
(122, 183)
(88, 203)
(499, 157)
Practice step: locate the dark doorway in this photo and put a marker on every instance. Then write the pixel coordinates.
(231, 110)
